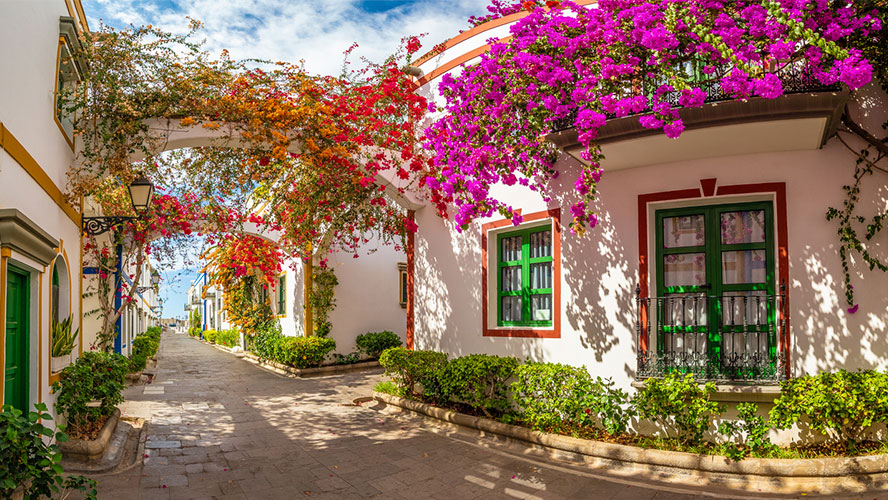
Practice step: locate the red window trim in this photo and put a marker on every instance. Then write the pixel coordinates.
(541, 333)
(776, 188)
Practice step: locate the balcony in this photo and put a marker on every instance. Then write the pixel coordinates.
(737, 338)
(803, 118)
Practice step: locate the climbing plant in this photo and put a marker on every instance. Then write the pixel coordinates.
(322, 300)
(869, 160)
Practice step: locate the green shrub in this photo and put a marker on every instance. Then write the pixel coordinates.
(373, 343)
(96, 376)
(752, 429)
(388, 387)
(228, 338)
(548, 394)
(210, 336)
(346, 359)
(478, 380)
(304, 352)
(194, 331)
(144, 346)
(844, 402)
(265, 341)
(409, 368)
(677, 400)
(30, 457)
(299, 352)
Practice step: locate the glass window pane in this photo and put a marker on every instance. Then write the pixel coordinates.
(511, 248)
(541, 307)
(743, 227)
(745, 266)
(511, 308)
(684, 231)
(511, 281)
(541, 244)
(684, 269)
(541, 275)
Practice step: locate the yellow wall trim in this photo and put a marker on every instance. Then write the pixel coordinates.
(18, 152)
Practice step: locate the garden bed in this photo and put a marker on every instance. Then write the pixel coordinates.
(90, 444)
(784, 476)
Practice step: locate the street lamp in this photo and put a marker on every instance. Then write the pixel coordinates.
(140, 190)
(155, 280)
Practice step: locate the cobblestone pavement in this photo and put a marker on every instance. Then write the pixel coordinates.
(222, 428)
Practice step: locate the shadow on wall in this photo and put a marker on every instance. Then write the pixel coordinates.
(448, 294)
(825, 336)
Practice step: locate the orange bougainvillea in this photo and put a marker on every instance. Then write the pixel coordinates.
(309, 149)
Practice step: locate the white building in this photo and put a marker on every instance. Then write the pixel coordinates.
(40, 251)
(638, 294)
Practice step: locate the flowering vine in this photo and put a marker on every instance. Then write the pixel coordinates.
(587, 65)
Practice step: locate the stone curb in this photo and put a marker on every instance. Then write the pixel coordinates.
(295, 372)
(307, 372)
(86, 450)
(824, 475)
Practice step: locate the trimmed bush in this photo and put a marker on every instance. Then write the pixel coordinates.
(550, 394)
(144, 347)
(478, 380)
(844, 403)
(304, 352)
(210, 336)
(96, 376)
(409, 368)
(298, 352)
(373, 343)
(228, 338)
(679, 401)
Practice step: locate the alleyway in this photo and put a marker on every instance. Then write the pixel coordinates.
(221, 428)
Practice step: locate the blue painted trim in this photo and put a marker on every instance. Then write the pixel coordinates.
(90, 270)
(118, 339)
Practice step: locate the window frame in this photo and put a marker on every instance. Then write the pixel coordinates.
(282, 295)
(526, 291)
(713, 248)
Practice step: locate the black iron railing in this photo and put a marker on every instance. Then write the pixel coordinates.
(796, 79)
(736, 337)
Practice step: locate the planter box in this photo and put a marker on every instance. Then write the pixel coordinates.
(60, 362)
(89, 450)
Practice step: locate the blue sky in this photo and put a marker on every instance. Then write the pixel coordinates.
(314, 31)
(293, 30)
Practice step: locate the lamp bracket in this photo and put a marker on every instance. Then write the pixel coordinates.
(94, 226)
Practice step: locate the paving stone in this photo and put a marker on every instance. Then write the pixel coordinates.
(295, 435)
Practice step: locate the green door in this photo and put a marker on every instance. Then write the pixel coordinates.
(716, 286)
(17, 312)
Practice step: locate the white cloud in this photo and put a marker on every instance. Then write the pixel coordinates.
(294, 30)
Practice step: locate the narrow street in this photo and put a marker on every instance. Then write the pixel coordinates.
(221, 428)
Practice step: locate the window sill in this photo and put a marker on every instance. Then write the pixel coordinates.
(726, 392)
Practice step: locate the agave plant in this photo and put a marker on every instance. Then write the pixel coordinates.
(62, 339)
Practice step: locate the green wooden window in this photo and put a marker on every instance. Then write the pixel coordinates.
(282, 294)
(716, 271)
(524, 277)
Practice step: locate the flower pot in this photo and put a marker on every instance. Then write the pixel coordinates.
(59, 362)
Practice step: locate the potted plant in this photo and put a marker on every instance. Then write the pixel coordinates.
(62, 344)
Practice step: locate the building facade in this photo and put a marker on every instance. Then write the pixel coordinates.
(712, 254)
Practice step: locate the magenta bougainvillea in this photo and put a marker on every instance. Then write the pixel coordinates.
(586, 65)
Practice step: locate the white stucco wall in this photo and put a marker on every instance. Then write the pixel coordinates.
(366, 296)
(26, 111)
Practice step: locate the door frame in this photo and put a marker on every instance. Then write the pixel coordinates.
(25, 354)
(705, 193)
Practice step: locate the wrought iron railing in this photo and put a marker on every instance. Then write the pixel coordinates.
(736, 337)
(796, 79)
